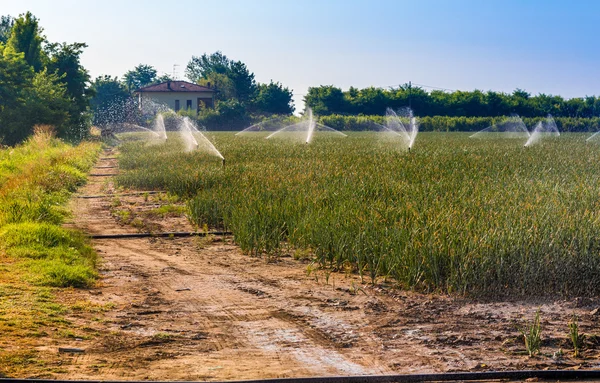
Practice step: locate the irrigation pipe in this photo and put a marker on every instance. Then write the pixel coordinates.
(167, 234)
(455, 376)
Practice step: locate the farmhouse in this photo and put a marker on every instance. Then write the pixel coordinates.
(178, 95)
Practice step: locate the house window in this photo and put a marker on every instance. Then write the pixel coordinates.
(188, 104)
(176, 105)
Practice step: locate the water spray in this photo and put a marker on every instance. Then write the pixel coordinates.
(406, 127)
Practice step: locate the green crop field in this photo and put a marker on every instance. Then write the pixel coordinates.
(483, 217)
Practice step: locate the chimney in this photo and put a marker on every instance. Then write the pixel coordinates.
(208, 84)
(169, 84)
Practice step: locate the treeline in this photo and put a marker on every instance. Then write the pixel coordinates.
(239, 100)
(328, 100)
(40, 83)
(457, 124)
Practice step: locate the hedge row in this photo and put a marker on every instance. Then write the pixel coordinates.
(457, 124)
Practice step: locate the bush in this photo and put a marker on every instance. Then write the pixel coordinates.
(457, 124)
(228, 115)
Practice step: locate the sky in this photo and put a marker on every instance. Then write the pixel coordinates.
(542, 46)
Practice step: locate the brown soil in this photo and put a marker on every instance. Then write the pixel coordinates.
(199, 309)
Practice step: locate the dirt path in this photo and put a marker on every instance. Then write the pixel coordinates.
(198, 309)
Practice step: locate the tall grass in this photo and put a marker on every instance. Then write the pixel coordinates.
(479, 217)
(36, 179)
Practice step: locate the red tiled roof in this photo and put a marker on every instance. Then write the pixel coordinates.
(175, 86)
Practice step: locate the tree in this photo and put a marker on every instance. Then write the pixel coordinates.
(26, 36)
(227, 115)
(274, 98)
(163, 78)
(108, 103)
(141, 76)
(497, 104)
(40, 86)
(325, 100)
(370, 101)
(243, 80)
(64, 60)
(201, 69)
(15, 75)
(225, 86)
(27, 99)
(47, 102)
(6, 24)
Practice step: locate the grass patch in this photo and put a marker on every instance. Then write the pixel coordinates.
(37, 255)
(167, 211)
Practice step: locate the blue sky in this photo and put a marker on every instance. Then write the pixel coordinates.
(540, 46)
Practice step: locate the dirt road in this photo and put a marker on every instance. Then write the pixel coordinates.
(199, 309)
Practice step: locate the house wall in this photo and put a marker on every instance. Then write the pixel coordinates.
(168, 98)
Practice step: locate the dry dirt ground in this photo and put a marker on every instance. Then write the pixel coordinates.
(199, 309)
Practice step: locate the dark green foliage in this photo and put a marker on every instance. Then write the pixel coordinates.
(28, 98)
(164, 78)
(41, 85)
(6, 24)
(227, 115)
(327, 100)
(110, 96)
(15, 74)
(274, 98)
(64, 60)
(26, 36)
(200, 67)
(241, 86)
(141, 76)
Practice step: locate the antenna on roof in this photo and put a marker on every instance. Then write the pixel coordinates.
(175, 72)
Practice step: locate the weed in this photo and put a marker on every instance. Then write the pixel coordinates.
(203, 242)
(577, 339)
(532, 335)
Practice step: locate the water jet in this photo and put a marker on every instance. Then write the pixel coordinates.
(511, 127)
(405, 126)
(543, 129)
(308, 125)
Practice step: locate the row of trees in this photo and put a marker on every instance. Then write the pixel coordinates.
(239, 100)
(40, 82)
(328, 100)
